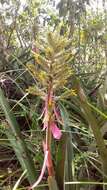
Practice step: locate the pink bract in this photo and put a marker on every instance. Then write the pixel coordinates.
(56, 132)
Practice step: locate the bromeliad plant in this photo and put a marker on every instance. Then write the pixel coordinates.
(51, 72)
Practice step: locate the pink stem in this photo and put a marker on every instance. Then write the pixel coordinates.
(42, 172)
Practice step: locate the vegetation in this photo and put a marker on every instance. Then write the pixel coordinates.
(53, 95)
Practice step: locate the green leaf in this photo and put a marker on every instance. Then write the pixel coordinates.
(16, 139)
(69, 148)
(60, 161)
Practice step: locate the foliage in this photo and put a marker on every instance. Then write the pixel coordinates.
(85, 52)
